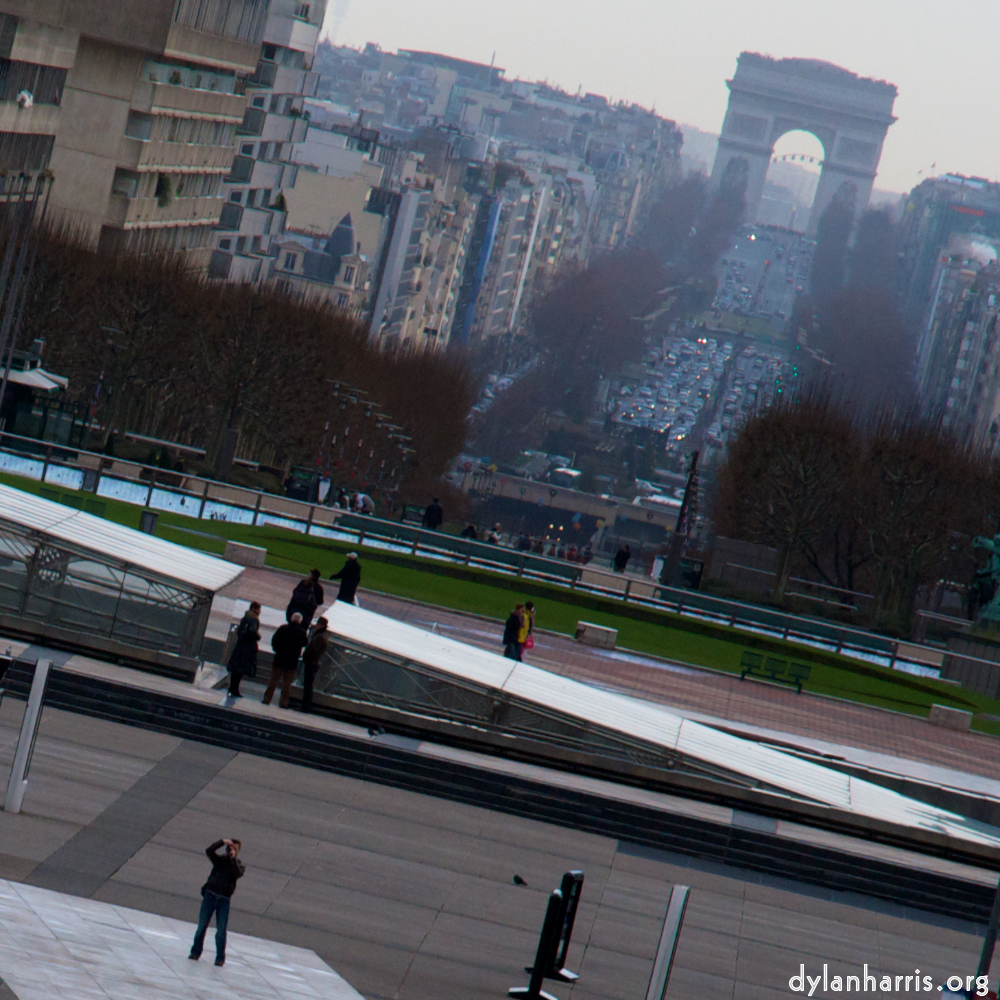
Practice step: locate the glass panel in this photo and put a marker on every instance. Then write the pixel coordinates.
(15, 554)
(153, 614)
(72, 591)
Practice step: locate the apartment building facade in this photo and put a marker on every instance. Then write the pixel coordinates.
(135, 116)
(274, 121)
(958, 357)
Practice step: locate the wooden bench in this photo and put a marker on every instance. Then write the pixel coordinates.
(774, 668)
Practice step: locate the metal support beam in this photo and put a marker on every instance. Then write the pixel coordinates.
(26, 741)
(672, 923)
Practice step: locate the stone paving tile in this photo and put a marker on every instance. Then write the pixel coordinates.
(410, 897)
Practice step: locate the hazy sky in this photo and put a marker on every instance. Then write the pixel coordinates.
(941, 54)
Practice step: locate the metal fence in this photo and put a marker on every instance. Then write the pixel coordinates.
(96, 476)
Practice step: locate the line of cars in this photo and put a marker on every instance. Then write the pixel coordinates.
(759, 377)
(680, 381)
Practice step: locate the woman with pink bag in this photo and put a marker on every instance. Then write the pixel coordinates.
(526, 639)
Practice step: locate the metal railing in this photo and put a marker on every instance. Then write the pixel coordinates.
(201, 498)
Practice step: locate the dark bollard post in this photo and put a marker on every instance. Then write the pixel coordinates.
(548, 945)
(570, 889)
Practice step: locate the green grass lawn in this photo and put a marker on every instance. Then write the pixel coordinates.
(559, 610)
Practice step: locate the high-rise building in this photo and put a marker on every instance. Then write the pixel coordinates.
(958, 364)
(134, 112)
(275, 120)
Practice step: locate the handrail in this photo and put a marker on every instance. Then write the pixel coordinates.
(318, 519)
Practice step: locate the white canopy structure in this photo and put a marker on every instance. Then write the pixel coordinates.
(71, 570)
(422, 672)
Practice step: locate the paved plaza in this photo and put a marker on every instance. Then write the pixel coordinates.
(59, 947)
(411, 897)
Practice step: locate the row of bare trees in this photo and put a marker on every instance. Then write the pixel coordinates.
(882, 503)
(157, 350)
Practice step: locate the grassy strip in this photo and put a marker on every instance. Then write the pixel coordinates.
(492, 594)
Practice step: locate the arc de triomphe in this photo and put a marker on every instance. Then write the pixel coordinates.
(769, 97)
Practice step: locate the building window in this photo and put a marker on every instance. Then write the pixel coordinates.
(236, 197)
(225, 244)
(290, 261)
(247, 149)
(269, 52)
(139, 126)
(259, 100)
(302, 10)
(343, 301)
(241, 244)
(125, 183)
(348, 275)
(262, 153)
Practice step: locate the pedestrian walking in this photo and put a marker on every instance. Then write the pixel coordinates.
(529, 614)
(306, 598)
(216, 894)
(511, 632)
(469, 531)
(524, 631)
(433, 515)
(243, 659)
(349, 577)
(622, 557)
(312, 659)
(287, 642)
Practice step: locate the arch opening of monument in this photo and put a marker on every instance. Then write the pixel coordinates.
(769, 98)
(791, 181)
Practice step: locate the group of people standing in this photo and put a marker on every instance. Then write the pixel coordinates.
(518, 631)
(298, 637)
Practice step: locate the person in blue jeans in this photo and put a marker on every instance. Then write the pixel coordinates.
(216, 894)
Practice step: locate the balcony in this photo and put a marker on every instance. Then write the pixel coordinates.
(264, 75)
(179, 157)
(272, 127)
(291, 32)
(245, 221)
(41, 119)
(170, 99)
(138, 213)
(242, 170)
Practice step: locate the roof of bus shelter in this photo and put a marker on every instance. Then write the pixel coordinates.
(654, 725)
(115, 542)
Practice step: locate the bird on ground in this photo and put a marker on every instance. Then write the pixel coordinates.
(517, 880)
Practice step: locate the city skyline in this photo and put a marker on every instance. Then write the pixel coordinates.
(682, 64)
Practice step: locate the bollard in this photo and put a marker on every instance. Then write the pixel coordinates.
(570, 890)
(672, 923)
(26, 741)
(548, 946)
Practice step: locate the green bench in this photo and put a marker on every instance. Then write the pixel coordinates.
(773, 668)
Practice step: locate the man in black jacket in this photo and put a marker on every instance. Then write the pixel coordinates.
(433, 515)
(312, 659)
(306, 598)
(215, 896)
(287, 642)
(349, 577)
(511, 632)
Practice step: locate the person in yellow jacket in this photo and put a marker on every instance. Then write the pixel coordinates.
(527, 627)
